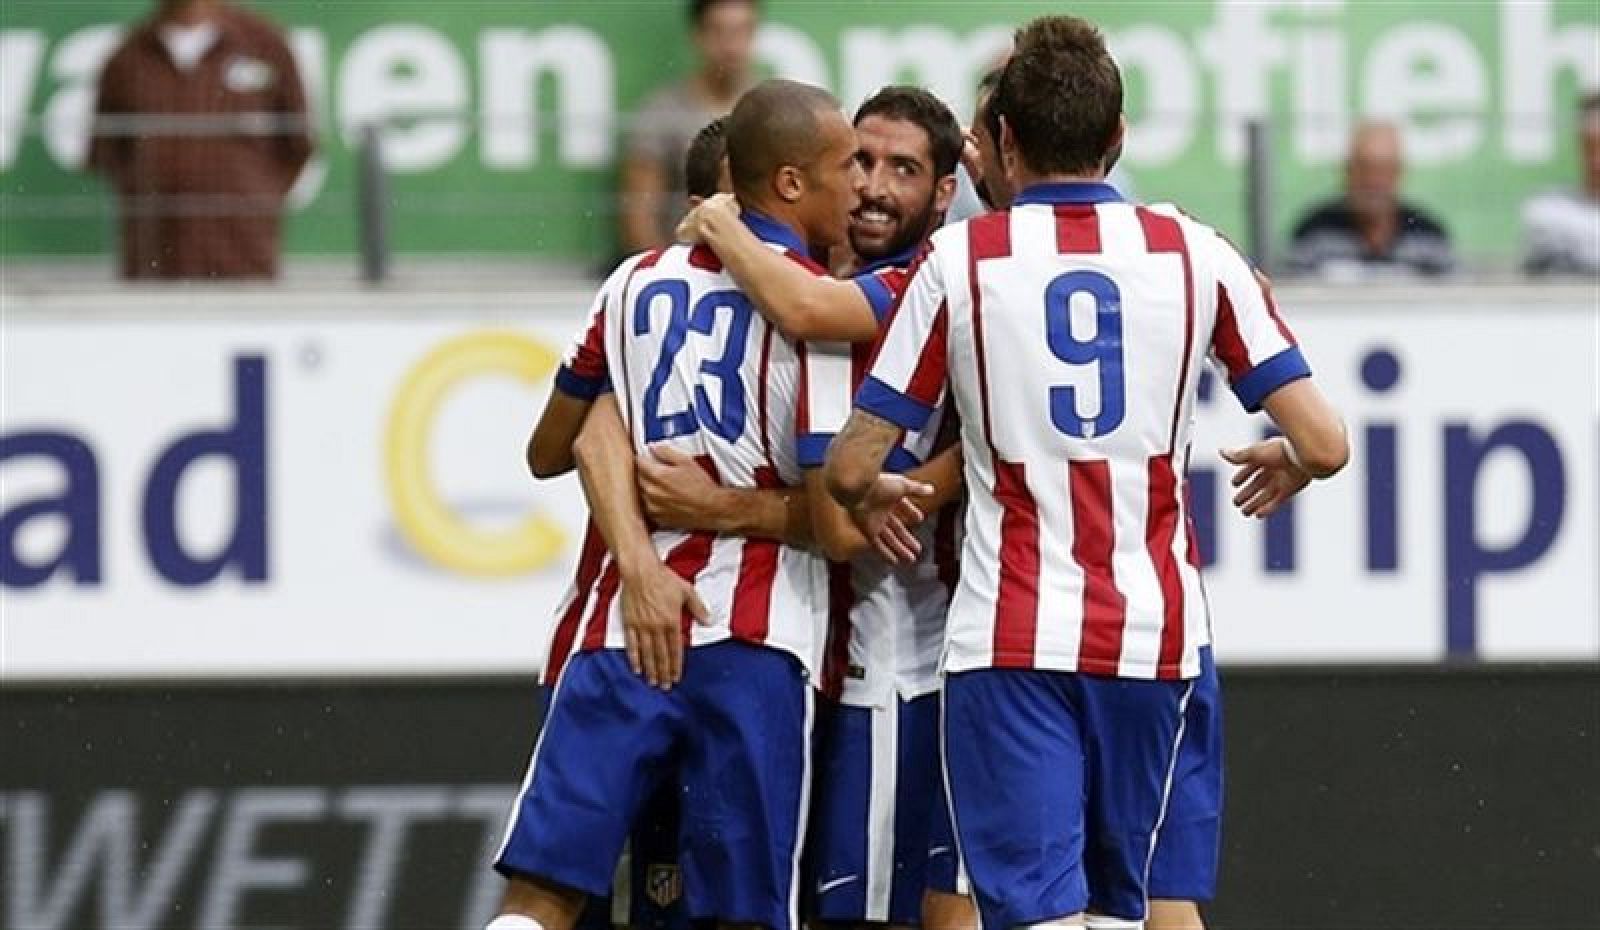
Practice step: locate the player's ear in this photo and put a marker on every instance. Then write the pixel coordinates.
(943, 193)
(789, 184)
(1008, 145)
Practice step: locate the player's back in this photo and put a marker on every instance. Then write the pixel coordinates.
(694, 366)
(1076, 328)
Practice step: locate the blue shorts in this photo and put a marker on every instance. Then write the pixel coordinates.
(656, 901)
(736, 731)
(1058, 782)
(1189, 843)
(877, 789)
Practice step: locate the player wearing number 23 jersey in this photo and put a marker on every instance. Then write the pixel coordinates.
(693, 366)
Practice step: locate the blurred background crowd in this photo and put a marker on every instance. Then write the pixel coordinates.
(203, 139)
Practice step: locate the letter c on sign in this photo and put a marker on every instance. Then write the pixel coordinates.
(426, 522)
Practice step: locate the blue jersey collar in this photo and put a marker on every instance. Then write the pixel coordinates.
(897, 260)
(770, 230)
(1069, 192)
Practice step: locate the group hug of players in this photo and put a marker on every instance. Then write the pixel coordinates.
(889, 611)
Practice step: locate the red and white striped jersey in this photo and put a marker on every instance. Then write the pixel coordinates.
(886, 624)
(694, 366)
(1070, 331)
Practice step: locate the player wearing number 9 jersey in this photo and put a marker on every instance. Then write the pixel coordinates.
(694, 367)
(1069, 332)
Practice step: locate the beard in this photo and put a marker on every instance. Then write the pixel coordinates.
(908, 230)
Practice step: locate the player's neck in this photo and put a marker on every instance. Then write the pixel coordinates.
(780, 211)
(1026, 178)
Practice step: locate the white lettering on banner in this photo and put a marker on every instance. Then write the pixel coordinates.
(385, 523)
(1428, 74)
(948, 64)
(513, 61)
(239, 869)
(1243, 50)
(102, 866)
(391, 812)
(1164, 128)
(21, 54)
(409, 80)
(1535, 57)
(133, 895)
(791, 54)
(75, 69)
(1429, 81)
(310, 50)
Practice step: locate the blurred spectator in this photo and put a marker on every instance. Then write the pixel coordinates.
(1370, 229)
(201, 128)
(1562, 228)
(652, 184)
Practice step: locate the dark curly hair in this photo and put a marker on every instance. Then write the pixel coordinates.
(915, 105)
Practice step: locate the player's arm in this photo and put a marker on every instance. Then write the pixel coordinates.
(549, 451)
(678, 493)
(1267, 371)
(904, 387)
(654, 598)
(802, 305)
(584, 375)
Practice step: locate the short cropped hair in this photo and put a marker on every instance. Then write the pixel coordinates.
(774, 124)
(703, 162)
(918, 106)
(1061, 93)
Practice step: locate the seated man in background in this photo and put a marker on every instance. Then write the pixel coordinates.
(652, 185)
(1562, 228)
(1370, 230)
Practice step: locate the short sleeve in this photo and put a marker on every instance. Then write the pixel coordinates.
(907, 379)
(882, 288)
(585, 372)
(1250, 341)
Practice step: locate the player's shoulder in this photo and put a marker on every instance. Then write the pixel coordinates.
(1203, 240)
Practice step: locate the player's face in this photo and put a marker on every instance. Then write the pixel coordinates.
(834, 183)
(725, 38)
(898, 202)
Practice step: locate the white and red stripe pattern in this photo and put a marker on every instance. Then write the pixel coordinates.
(886, 625)
(692, 369)
(1070, 331)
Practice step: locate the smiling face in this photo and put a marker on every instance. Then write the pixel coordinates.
(899, 201)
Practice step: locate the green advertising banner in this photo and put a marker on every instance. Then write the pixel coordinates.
(504, 119)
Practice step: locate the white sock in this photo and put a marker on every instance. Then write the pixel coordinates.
(1060, 923)
(1102, 922)
(514, 922)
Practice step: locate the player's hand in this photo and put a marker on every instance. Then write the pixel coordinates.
(1267, 476)
(677, 492)
(653, 605)
(888, 514)
(691, 229)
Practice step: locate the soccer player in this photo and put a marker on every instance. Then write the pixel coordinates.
(1183, 869)
(878, 802)
(1069, 330)
(694, 366)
